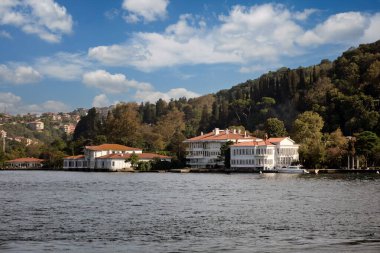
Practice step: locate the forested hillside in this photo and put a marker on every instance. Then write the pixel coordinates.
(316, 105)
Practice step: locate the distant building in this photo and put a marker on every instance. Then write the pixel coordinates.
(110, 157)
(36, 125)
(3, 134)
(24, 163)
(68, 128)
(203, 151)
(264, 154)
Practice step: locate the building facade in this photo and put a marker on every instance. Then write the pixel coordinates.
(111, 157)
(36, 125)
(269, 154)
(24, 163)
(203, 151)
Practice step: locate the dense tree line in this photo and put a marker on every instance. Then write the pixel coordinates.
(316, 105)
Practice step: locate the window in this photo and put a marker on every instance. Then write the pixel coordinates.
(113, 163)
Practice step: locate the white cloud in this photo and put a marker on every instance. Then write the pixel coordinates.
(153, 96)
(259, 68)
(341, 28)
(112, 13)
(54, 106)
(63, 66)
(45, 18)
(5, 34)
(112, 83)
(18, 74)
(146, 10)
(101, 101)
(305, 14)
(8, 98)
(247, 36)
(372, 33)
(13, 104)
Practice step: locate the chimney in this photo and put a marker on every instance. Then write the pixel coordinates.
(216, 131)
(201, 133)
(234, 131)
(239, 131)
(227, 131)
(245, 133)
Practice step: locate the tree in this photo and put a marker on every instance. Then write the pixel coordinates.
(123, 125)
(225, 154)
(275, 127)
(336, 149)
(89, 126)
(365, 145)
(168, 125)
(133, 159)
(307, 132)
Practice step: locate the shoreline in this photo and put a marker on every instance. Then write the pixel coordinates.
(204, 170)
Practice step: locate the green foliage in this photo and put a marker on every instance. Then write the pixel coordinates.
(225, 154)
(367, 144)
(275, 127)
(133, 159)
(144, 166)
(307, 132)
(336, 149)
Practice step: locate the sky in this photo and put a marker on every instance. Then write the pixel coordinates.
(59, 55)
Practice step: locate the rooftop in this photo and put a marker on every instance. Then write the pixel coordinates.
(140, 156)
(116, 147)
(26, 160)
(218, 134)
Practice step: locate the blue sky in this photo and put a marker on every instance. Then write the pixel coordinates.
(58, 55)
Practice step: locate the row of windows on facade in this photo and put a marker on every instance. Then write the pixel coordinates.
(264, 151)
(202, 161)
(203, 153)
(75, 163)
(252, 151)
(252, 162)
(203, 145)
(83, 163)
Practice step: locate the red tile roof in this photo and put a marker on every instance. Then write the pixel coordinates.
(276, 140)
(141, 156)
(111, 147)
(253, 143)
(75, 157)
(26, 160)
(223, 135)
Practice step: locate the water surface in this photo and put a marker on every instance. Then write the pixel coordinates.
(44, 211)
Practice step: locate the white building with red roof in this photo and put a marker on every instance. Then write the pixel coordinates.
(110, 157)
(203, 151)
(264, 154)
(24, 163)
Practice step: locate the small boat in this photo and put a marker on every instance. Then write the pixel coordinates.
(293, 169)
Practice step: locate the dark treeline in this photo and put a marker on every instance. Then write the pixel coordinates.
(316, 105)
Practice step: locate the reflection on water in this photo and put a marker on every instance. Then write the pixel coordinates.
(147, 212)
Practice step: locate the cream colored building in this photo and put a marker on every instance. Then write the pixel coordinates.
(272, 153)
(203, 151)
(110, 157)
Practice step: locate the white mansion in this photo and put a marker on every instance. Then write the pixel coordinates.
(247, 152)
(111, 157)
(272, 153)
(202, 151)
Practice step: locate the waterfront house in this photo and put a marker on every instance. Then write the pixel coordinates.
(272, 153)
(203, 151)
(117, 162)
(110, 157)
(24, 163)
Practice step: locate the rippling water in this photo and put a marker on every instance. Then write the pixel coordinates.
(120, 212)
